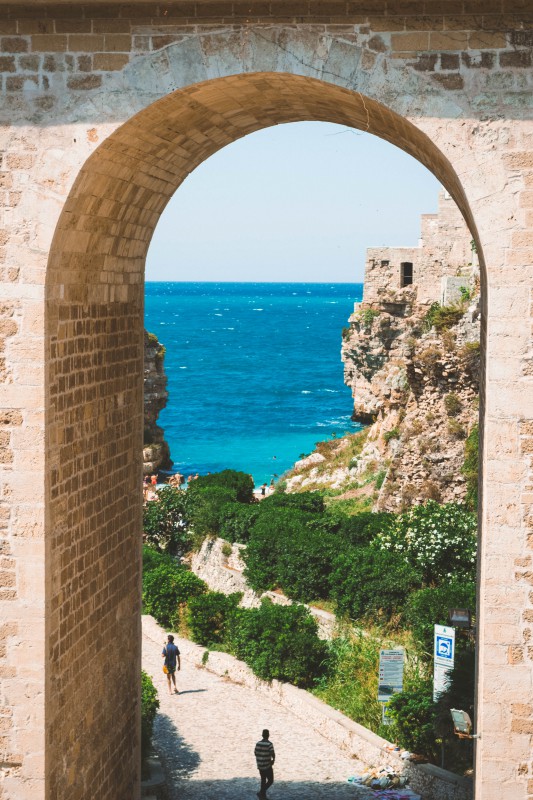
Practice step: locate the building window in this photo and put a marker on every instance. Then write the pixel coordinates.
(385, 263)
(406, 273)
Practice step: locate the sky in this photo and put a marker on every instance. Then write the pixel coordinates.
(299, 202)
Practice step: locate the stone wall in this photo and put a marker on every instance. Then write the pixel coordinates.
(445, 249)
(105, 109)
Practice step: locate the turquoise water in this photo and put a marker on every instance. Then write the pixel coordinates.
(254, 371)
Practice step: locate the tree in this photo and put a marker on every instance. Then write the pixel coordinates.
(430, 606)
(208, 614)
(279, 642)
(165, 588)
(165, 521)
(237, 521)
(238, 482)
(270, 538)
(372, 583)
(206, 505)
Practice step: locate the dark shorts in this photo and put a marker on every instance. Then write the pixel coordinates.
(171, 670)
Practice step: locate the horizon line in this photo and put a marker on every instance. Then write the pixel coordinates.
(305, 283)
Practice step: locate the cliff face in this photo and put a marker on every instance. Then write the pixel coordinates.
(156, 453)
(413, 370)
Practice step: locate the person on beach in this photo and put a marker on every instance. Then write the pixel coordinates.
(263, 490)
(171, 654)
(265, 757)
(153, 481)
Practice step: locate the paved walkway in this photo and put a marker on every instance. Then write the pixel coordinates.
(206, 736)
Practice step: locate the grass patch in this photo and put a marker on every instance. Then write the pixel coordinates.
(351, 684)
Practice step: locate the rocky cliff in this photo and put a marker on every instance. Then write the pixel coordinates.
(413, 369)
(156, 453)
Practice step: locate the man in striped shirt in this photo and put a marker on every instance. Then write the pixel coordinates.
(265, 757)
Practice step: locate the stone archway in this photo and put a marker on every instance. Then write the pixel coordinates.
(451, 91)
(94, 320)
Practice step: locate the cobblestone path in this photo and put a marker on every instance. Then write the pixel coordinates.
(206, 736)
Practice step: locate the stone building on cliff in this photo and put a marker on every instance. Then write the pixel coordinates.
(437, 266)
(413, 368)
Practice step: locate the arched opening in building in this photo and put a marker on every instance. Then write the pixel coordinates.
(95, 290)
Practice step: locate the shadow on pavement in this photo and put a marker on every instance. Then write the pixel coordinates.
(247, 788)
(180, 762)
(178, 759)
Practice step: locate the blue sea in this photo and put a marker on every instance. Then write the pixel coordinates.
(254, 371)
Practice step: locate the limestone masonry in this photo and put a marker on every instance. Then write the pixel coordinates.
(443, 260)
(105, 109)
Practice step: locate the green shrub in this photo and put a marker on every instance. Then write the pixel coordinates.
(456, 430)
(153, 558)
(414, 716)
(237, 520)
(366, 317)
(207, 616)
(165, 522)
(165, 588)
(470, 468)
(470, 356)
(361, 528)
(149, 706)
(274, 527)
(430, 606)
(312, 502)
(452, 404)
(239, 483)
(371, 583)
(290, 548)
(392, 434)
(380, 478)
(438, 540)
(304, 564)
(227, 549)
(444, 317)
(206, 509)
(278, 642)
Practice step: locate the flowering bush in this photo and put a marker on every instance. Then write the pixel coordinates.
(439, 540)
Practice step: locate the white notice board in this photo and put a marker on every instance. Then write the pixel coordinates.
(390, 673)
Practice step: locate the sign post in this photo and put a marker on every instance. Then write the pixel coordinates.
(444, 656)
(390, 673)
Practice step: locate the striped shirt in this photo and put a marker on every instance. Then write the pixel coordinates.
(264, 754)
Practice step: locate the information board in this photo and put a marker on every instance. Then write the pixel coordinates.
(390, 673)
(443, 658)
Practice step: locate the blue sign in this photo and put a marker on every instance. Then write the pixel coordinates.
(444, 647)
(444, 655)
